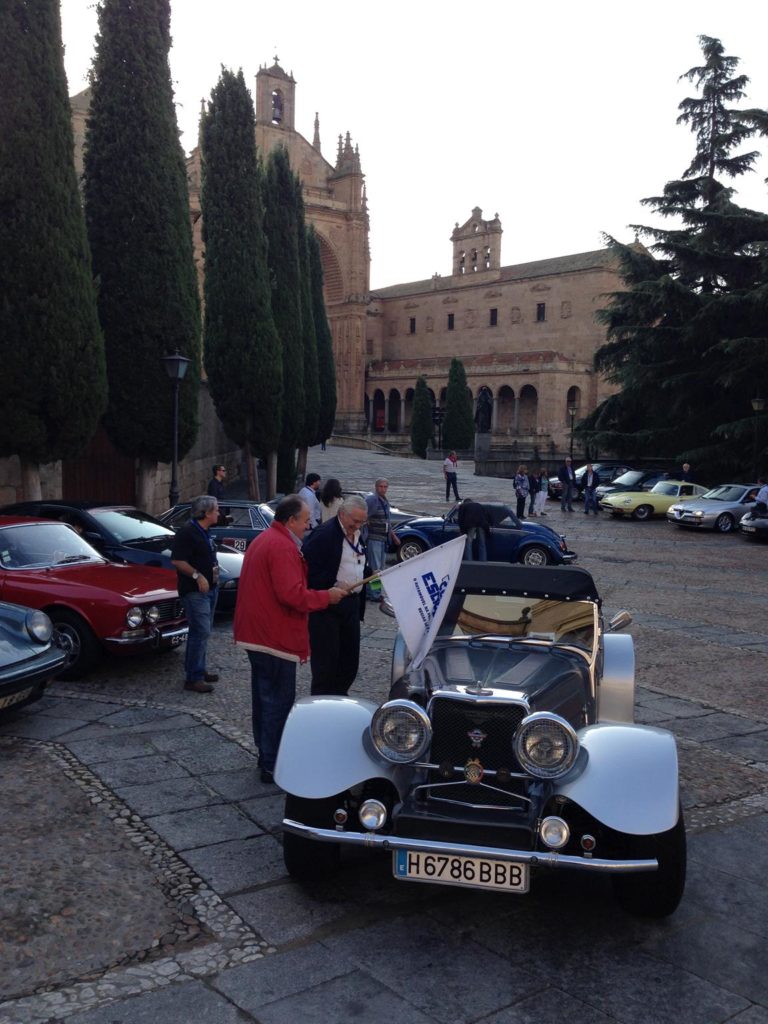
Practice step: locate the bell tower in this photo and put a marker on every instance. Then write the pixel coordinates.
(476, 245)
(275, 97)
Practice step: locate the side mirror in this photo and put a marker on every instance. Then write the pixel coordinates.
(619, 621)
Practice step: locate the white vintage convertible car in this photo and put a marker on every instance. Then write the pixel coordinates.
(512, 750)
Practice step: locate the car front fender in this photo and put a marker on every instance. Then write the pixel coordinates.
(630, 781)
(322, 751)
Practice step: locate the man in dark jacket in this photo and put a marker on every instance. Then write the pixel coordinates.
(591, 479)
(335, 557)
(567, 478)
(475, 524)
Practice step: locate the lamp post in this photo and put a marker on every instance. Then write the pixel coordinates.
(572, 410)
(758, 405)
(176, 368)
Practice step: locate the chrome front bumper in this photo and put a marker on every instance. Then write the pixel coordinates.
(157, 638)
(536, 858)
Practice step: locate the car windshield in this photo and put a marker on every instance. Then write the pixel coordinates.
(726, 492)
(561, 622)
(666, 488)
(130, 525)
(43, 544)
(634, 476)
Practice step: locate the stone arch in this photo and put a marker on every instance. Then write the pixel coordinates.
(377, 421)
(394, 412)
(506, 410)
(333, 278)
(408, 409)
(528, 409)
(573, 400)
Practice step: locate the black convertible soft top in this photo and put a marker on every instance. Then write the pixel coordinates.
(566, 583)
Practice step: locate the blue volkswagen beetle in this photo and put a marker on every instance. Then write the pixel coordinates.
(510, 539)
(29, 655)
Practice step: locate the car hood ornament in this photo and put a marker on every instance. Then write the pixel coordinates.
(478, 689)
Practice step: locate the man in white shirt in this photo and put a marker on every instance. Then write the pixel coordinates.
(308, 495)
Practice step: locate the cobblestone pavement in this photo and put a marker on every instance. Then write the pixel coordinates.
(141, 877)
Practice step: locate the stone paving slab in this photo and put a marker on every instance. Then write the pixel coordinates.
(178, 1004)
(135, 771)
(234, 865)
(167, 795)
(190, 830)
(550, 1006)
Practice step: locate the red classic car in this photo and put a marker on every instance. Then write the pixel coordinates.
(95, 605)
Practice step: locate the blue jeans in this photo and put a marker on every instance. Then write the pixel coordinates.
(273, 691)
(199, 609)
(590, 499)
(377, 553)
(475, 534)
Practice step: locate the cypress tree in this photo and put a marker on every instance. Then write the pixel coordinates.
(137, 211)
(242, 348)
(693, 299)
(282, 231)
(458, 425)
(326, 368)
(311, 409)
(53, 379)
(421, 419)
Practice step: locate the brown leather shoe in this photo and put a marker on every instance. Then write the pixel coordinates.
(211, 677)
(198, 687)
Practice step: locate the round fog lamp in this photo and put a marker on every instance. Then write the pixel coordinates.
(554, 832)
(372, 814)
(134, 617)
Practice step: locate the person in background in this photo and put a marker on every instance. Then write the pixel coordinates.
(271, 622)
(379, 532)
(543, 492)
(685, 473)
(193, 554)
(308, 495)
(475, 524)
(216, 483)
(533, 484)
(567, 478)
(522, 488)
(591, 480)
(450, 472)
(330, 499)
(336, 557)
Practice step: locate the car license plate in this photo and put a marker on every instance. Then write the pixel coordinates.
(15, 698)
(238, 543)
(456, 869)
(176, 641)
(748, 529)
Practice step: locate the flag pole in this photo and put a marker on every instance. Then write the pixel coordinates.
(362, 583)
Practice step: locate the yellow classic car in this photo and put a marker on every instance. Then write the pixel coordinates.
(644, 504)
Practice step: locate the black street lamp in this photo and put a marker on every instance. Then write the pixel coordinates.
(176, 367)
(758, 405)
(572, 410)
(437, 419)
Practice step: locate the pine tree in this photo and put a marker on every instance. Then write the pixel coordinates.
(137, 211)
(53, 378)
(326, 368)
(243, 359)
(421, 419)
(283, 236)
(692, 302)
(458, 425)
(311, 408)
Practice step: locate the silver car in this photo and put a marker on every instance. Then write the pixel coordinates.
(720, 509)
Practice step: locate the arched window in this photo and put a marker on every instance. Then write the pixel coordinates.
(277, 107)
(573, 401)
(528, 412)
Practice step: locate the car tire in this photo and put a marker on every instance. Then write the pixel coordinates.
(77, 638)
(654, 893)
(307, 860)
(642, 512)
(409, 548)
(725, 523)
(535, 556)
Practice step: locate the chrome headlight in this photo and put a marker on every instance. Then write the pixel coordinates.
(554, 832)
(401, 731)
(39, 626)
(152, 613)
(134, 617)
(546, 745)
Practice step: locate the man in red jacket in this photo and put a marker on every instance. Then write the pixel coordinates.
(271, 615)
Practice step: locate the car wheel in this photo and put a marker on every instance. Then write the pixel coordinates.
(76, 638)
(535, 556)
(725, 523)
(654, 893)
(308, 860)
(642, 512)
(409, 548)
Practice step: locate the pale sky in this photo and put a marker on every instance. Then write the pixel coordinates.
(558, 116)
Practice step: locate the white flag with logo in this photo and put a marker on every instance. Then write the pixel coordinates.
(419, 590)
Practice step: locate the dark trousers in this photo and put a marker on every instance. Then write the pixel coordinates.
(521, 506)
(273, 691)
(450, 482)
(334, 636)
